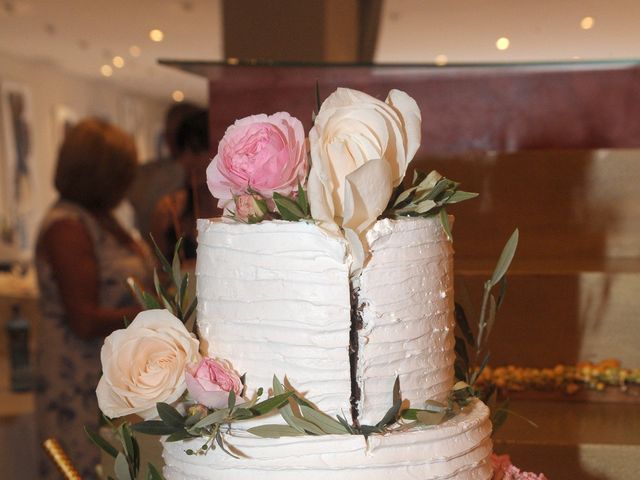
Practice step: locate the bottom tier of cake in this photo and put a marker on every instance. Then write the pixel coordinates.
(457, 449)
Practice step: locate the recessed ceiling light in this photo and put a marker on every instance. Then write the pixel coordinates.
(156, 35)
(118, 61)
(106, 70)
(177, 96)
(441, 60)
(587, 23)
(502, 43)
(134, 51)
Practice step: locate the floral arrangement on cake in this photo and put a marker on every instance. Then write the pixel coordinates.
(360, 148)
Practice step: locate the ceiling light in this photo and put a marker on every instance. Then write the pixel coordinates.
(441, 60)
(233, 61)
(156, 35)
(118, 62)
(177, 96)
(106, 70)
(134, 51)
(502, 43)
(587, 23)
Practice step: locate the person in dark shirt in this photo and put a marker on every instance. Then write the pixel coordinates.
(175, 214)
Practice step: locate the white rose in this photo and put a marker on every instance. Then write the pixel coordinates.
(145, 364)
(360, 150)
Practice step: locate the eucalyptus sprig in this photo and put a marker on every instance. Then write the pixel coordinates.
(175, 296)
(428, 196)
(127, 459)
(468, 368)
(202, 422)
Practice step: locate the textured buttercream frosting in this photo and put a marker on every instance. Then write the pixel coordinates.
(273, 299)
(406, 297)
(457, 449)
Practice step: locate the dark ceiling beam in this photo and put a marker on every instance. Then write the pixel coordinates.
(301, 30)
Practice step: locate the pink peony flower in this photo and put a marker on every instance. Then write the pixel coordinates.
(260, 153)
(503, 469)
(210, 381)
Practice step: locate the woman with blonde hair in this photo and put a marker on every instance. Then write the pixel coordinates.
(83, 257)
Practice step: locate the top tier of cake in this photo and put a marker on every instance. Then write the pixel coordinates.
(276, 298)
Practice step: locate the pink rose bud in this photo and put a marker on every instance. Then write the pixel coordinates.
(210, 381)
(250, 208)
(260, 153)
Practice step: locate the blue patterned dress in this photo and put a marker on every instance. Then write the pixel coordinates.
(69, 367)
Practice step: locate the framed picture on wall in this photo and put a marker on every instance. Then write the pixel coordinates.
(18, 175)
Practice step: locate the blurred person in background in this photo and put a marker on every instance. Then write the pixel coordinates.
(161, 176)
(176, 214)
(83, 257)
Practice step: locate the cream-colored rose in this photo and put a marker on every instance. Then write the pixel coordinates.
(360, 150)
(145, 364)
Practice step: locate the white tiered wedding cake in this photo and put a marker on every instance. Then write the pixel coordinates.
(328, 286)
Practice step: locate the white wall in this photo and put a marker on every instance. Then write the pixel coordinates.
(50, 88)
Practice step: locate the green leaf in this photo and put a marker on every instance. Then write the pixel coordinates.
(303, 202)
(477, 373)
(270, 404)
(190, 310)
(430, 418)
(390, 416)
(424, 207)
(153, 427)
(405, 196)
(418, 177)
(463, 323)
(500, 416)
(506, 257)
(502, 291)
(461, 372)
(323, 421)
(461, 351)
(166, 266)
(162, 293)
(430, 181)
(179, 436)
(438, 188)
(286, 411)
(274, 431)
(345, 424)
(127, 442)
(491, 318)
(444, 220)
(169, 415)
(231, 401)
(240, 413)
(176, 272)
(288, 209)
(150, 302)
(318, 102)
(216, 417)
(101, 442)
(153, 473)
(460, 196)
(121, 467)
(397, 397)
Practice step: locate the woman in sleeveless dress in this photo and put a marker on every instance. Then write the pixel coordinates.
(83, 257)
